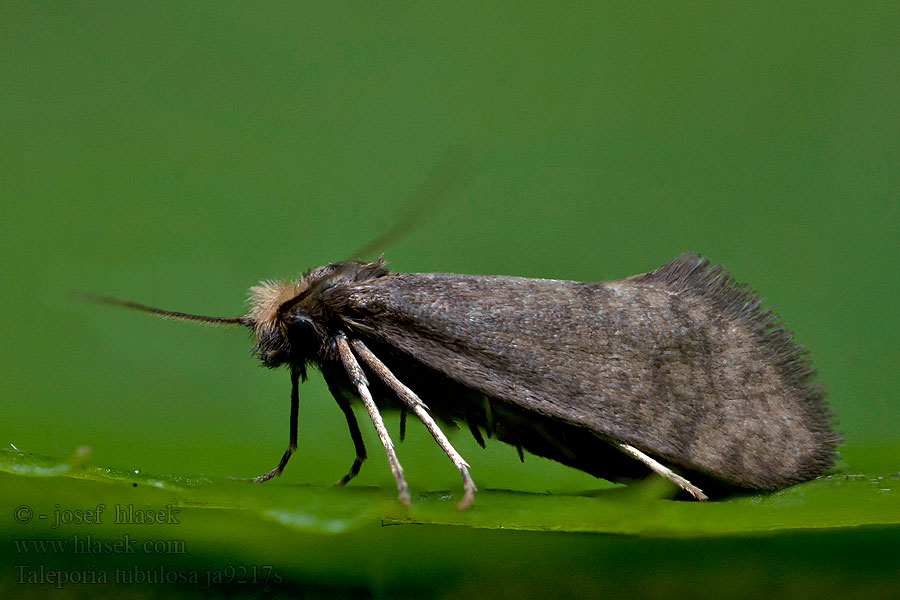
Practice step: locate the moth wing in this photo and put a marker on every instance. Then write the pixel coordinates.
(675, 362)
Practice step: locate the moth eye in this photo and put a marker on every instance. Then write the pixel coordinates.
(302, 325)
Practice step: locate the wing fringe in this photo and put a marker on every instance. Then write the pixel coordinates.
(694, 274)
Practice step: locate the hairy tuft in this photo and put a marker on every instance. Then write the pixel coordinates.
(266, 297)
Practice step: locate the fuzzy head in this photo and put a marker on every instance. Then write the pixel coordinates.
(272, 320)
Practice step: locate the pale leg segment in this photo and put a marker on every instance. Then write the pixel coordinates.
(358, 378)
(416, 405)
(663, 470)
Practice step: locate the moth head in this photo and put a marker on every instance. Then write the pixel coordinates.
(288, 317)
(275, 318)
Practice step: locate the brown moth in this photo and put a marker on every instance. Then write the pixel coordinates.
(679, 371)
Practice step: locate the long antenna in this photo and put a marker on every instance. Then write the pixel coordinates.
(436, 185)
(168, 314)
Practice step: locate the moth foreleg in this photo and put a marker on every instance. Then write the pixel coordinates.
(358, 378)
(292, 443)
(418, 407)
(663, 470)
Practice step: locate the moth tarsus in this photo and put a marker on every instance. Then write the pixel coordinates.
(296, 375)
(680, 368)
(358, 378)
(418, 407)
(664, 471)
(353, 427)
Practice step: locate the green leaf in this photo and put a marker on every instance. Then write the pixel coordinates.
(297, 540)
(837, 501)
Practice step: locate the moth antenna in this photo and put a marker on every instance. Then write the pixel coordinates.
(168, 314)
(436, 185)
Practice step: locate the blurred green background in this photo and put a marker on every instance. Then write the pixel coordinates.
(177, 153)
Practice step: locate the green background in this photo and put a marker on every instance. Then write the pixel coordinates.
(176, 154)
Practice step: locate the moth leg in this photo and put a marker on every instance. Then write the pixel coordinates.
(663, 470)
(418, 407)
(352, 425)
(292, 444)
(355, 372)
(356, 436)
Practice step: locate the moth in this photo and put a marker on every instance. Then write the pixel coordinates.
(679, 371)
